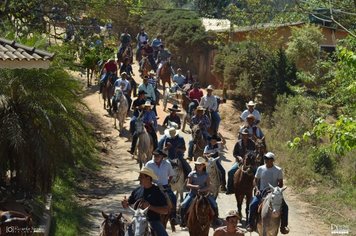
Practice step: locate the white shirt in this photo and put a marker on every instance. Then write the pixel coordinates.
(163, 171)
(246, 112)
(209, 102)
(127, 86)
(268, 176)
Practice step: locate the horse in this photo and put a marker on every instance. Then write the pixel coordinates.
(200, 216)
(199, 141)
(269, 219)
(15, 220)
(113, 225)
(185, 105)
(121, 112)
(108, 91)
(140, 223)
(172, 97)
(127, 53)
(92, 64)
(144, 143)
(146, 66)
(243, 182)
(261, 151)
(165, 75)
(178, 181)
(214, 175)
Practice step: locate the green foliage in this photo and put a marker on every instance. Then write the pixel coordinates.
(303, 47)
(322, 162)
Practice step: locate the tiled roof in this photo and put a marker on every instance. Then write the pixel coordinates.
(10, 51)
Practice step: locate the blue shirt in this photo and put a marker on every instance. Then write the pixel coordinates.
(148, 117)
(204, 120)
(177, 142)
(179, 79)
(150, 91)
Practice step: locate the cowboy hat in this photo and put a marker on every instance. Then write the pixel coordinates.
(159, 151)
(269, 155)
(251, 116)
(148, 171)
(232, 213)
(174, 108)
(169, 132)
(210, 87)
(200, 108)
(250, 104)
(214, 136)
(147, 104)
(244, 131)
(123, 73)
(200, 160)
(152, 72)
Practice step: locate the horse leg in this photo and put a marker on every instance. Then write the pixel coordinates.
(115, 121)
(239, 199)
(248, 200)
(184, 122)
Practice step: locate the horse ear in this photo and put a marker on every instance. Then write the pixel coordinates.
(133, 210)
(284, 188)
(145, 210)
(271, 187)
(104, 215)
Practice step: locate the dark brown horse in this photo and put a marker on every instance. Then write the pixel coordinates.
(243, 181)
(127, 53)
(108, 91)
(15, 223)
(199, 141)
(165, 75)
(113, 225)
(146, 66)
(200, 216)
(261, 151)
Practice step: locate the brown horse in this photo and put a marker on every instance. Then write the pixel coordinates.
(146, 66)
(243, 181)
(18, 223)
(165, 75)
(200, 216)
(127, 53)
(261, 151)
(108, 91)
(113, 225)
(199, 141)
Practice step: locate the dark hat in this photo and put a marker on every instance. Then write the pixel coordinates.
(141, 92)
(159, 151)
(174, 108)
(214, 136)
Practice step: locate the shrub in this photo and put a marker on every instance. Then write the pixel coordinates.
(322, 162)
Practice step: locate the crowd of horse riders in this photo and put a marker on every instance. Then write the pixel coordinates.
(205, 148)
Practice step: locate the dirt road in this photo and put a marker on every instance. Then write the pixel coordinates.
(103, 190)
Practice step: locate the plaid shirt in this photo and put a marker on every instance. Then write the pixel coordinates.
(203, 120)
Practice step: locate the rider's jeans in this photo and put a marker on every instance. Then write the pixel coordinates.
(216, 118)
(222, 172)
(230, 177)
(253, 211)
(189, 198)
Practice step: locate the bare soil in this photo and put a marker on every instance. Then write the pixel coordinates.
(103, 190)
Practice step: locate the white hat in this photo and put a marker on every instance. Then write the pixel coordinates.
(269, 155)
(200, 160)
(250, 104)
(148, 104)
(169, 132)
(148, 171)
(210, 87)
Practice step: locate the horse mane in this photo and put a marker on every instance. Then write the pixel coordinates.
(194, 219)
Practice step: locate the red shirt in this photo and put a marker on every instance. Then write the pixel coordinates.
(111, 67)
(196, 94)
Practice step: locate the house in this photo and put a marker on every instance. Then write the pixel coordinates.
(18, 56)
(280, 32)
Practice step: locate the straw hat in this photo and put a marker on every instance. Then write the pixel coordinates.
(210, 87)
(148, 171)
(200, 108)
(250, 104)
(232, 213)
(152, 72)
(171, 132)
(147, 104)
(200, 160)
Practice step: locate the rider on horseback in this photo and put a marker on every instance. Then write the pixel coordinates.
(265, 175)
(178, 80)
(150, 121)
(147, 51)
(125, 40)
(209, 102)
(198, 182)
(242, 146)
(163, 57)
(141, 37)
(137, 109)
(150, 92)
(212, 150)
(156, 42)
(126, 89)
(173, 117)
(254, 131)
(251, 110)
(195, 96)
(151, 197)
(153, 81)
(109, 69)
(164, 171)
(126, 67)
(174, 144)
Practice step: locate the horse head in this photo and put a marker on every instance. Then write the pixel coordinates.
(261, 150)
(249, 163)
(177, 170)
(203, 210)
(197, 133)
(140, 221)
(112, 224)
(172, 124)
(276, 198)
(139, 125)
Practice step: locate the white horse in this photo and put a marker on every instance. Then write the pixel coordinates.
(214, 175)
(122, 107)
(178, 181)
(144, 143)
(140, 223)
(173, 97)
(270, 220)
